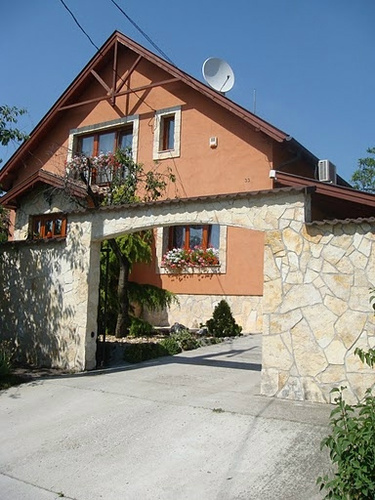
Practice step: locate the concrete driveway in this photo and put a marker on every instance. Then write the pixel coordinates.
(189, 427)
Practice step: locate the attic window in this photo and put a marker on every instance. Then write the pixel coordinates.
(48, 226)
(167, 133)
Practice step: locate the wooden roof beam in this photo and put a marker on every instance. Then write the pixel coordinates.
(118, 94)
(102, 82)
(127, 74)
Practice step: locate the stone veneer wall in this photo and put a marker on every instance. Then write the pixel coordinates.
(45, 304)
(193, 310)
(40, 200)
(316, 309)
(315, 303)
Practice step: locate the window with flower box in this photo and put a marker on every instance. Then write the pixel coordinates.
(193, 246)
(103, 138)
(192, 236)
(48, 226)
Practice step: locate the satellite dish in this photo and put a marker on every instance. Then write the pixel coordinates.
(218, 74)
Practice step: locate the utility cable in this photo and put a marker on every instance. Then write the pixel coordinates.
(98, 49)
(163, 54)
(79, 26)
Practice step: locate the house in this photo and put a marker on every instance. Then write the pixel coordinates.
(127, 96)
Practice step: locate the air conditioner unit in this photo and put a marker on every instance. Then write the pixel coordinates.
(326, 171)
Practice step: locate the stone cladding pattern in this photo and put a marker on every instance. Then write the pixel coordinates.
(316, 309)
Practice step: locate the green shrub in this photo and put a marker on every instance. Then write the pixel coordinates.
(136, 353)
(6, 357)
(140, 328)
(351, 442)
(171, 346)
(186, 340)
(222, 323)
(352, 449)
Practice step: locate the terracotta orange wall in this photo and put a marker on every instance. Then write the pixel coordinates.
(244, 273)
(241, 162)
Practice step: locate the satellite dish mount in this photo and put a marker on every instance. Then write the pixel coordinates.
(218, 74)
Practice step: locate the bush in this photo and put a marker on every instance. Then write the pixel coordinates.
(222, 323)
(6, 357)
(351, 442)
(352, 449)
(186, 340)
(140, 328)
(171, 346)
(136, 353)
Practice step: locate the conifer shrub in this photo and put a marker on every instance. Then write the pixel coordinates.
(222, 323)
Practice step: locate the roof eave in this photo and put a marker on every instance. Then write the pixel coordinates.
(256, 122)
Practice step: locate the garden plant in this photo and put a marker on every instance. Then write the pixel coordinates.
(351, 442)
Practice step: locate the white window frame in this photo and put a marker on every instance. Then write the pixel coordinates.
(99, 127)
(170, 153)
(161, 243)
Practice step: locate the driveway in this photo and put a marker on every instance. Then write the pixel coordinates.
(192, 426)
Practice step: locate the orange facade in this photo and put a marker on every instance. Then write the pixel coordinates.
(219, 151)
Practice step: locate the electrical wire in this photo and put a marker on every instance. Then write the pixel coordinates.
(98, 49)
(163, 54)
(79, 26)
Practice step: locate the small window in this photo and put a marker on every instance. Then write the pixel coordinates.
(48, 226)
(167, 133)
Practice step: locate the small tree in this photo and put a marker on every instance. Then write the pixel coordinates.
(222, 323)
(126, 182)
(364, 177)
(8, 132)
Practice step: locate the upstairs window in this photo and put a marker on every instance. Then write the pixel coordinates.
(48, 226)
(104, 138)
(167, 133)
(105, 142)
(102, 143)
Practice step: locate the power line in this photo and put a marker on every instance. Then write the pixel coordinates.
(98, 49)
(163, 54)
(79, 26)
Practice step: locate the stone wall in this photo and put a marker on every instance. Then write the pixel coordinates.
(48, 293)
(315, 304)
(193, 310)
(316, 309)
(40, 200)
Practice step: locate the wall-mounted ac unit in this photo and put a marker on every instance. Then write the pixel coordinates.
(326, 171)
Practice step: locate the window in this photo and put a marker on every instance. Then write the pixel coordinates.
(167, 133)
(48, 226)
(194, 236)
(186, 237)
(104, 142)
(105, 137)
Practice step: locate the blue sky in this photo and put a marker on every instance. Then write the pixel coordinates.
(312, 62)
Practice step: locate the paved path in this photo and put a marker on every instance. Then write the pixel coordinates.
(188, 427)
